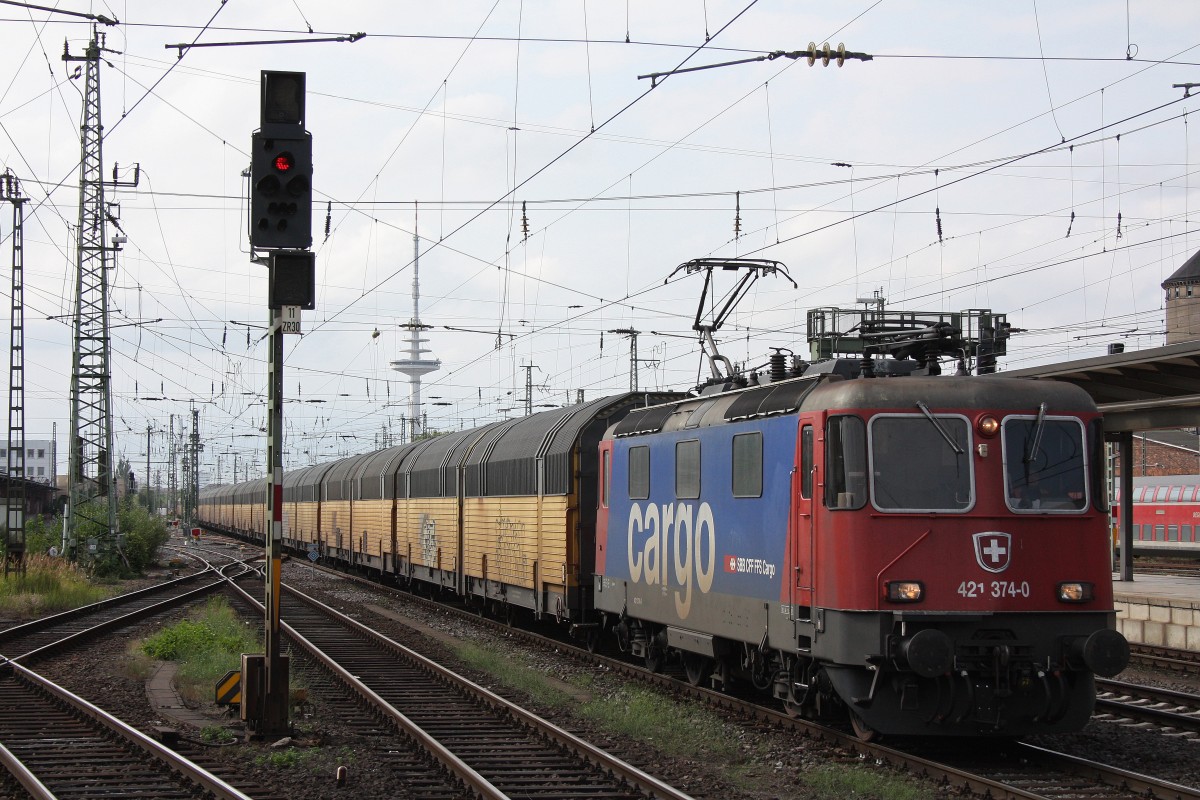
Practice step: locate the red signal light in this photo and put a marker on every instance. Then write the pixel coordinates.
(284, 162)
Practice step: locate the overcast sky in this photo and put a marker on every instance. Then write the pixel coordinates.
(1004, 120)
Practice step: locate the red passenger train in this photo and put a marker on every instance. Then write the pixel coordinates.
(921, 555)
(1166, 515)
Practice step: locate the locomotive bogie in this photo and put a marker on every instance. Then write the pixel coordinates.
(1003, 674)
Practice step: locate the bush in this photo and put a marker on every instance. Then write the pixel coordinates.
(144, 534)
(218, 629)
(41, 534)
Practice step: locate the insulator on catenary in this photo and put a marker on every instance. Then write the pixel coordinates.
(1118, 224)
(938, 218)
(778, 366)
(1070, 225)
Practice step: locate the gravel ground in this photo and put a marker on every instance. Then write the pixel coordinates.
(767, 763)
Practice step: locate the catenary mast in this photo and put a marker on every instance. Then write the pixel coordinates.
(91, 468)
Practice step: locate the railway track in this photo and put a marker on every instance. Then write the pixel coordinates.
(27, 640)
(57, 745)
(1009, 771)
(1167, 659)
(497, 749)
(1176, 713)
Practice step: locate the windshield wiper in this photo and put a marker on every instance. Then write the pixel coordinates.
(1032, 444)
(945, 435)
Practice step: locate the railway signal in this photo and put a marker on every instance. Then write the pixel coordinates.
(281, 171)
(281, 191)
(281, 166)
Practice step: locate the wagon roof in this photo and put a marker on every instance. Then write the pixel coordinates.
(386, 462)
(555, 432)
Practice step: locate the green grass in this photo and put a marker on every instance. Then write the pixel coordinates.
(837, 782)
(205, 647)
(631, 711)
(515, 674)
(49, 585)
(281, 759)
(679, 729)
(216, 734)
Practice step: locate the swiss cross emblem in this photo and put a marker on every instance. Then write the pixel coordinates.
(993, 550)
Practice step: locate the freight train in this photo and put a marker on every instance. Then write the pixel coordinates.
(919, 555)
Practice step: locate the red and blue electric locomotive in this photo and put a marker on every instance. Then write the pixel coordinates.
(927, 554)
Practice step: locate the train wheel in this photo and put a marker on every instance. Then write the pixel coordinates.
(592, 639)
(861, 729)
(656, 653)
(697, 667)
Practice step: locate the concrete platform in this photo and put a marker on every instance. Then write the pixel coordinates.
(1159, 610)
(160, 689)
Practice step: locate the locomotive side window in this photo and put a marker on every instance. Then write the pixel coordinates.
(1045, 464)
(747, 465)
(639, 473)
(687, 469)
(845, 462)
(806, 462)
(919, 466)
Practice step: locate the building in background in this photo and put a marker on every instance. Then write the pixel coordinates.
(1167, 452)
(39, 460)
(1183, 302)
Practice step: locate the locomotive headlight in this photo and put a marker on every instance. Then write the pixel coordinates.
(1075, 592)
(905, 591)
(988, 425)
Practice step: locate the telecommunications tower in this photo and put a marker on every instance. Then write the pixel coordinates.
(414, 366)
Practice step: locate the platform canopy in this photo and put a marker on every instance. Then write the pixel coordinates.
(1137, 391)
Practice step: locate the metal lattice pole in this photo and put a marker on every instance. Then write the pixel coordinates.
(149, 494)
(91, 472)
(172, 475)
(193, 486)
(14, 539)
(633, 355)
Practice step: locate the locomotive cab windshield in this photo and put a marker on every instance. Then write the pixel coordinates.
(915, 472)
(1045, 464)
